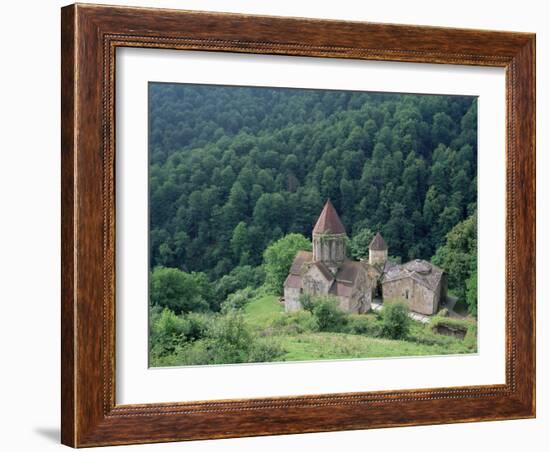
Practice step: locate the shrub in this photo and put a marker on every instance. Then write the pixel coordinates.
(471, 293)
(395, 320)
(229, 341)
(197, 325)
(361, 324)
(296, 323)
(329, 316)
(169, 332)
(264, 350)
(239, 278)
(237, 300)
(179, 291)
(307, 301)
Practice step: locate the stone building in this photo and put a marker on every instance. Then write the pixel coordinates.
(328, 271)
(418, 283)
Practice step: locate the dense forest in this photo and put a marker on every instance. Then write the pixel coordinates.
(233, 169)
(239, 174)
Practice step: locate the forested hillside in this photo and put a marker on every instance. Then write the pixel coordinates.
(238, 177)
(233, 169)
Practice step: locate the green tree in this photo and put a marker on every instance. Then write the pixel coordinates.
(458, 257)
(215, 151)
(471, 293)
(395, 320)
(270, 211)
(179, 291)
(278, 258)
(441, 128)
(240, 244)
(328, 314)
(359, 244)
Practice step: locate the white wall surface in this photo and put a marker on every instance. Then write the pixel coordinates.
(29, 226)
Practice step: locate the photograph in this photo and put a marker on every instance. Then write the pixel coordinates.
(293, 224)
(279, 222)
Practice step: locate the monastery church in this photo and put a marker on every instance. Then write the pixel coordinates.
(328, 271)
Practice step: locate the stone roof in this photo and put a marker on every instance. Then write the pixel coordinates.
(346, 278)
(293, 281)
(340, 289)
(421, 271)
(348, 271)
(324, 271)
(378, 243)
(301, 258)
(329, 222)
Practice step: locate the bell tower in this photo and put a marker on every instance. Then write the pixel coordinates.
(378, 250)
(329, 238)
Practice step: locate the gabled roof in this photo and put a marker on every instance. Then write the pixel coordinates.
(346, 278)
(324, 271)
(301, 258)
(378, 243)
(329, 222)
(293, 281)
(421, 271)
(340, 289)
(348, 272)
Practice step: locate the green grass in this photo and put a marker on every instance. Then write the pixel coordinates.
(274, 335)
(261, 310)
(314, 346)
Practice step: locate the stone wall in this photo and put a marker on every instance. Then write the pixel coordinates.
(329, 248)
(292, 299)
(378, 257)
(424, 300)
(314, 282)
(418, 297)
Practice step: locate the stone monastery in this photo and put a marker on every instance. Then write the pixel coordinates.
(328, 271)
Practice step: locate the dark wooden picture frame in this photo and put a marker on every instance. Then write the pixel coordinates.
(90, 35)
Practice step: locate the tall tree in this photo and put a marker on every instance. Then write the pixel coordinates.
(278, 258)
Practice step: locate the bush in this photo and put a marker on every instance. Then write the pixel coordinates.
(229, 341)
(197, 325)
(329, 316)
(307, 302)
(471, 293)
(169, 332)
(179, 291)
(264, 350)
(239, 278)
(296, 323)
(237, 300)
(361, 324)
(395, 320)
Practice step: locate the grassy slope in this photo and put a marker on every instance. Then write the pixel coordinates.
(260, 312)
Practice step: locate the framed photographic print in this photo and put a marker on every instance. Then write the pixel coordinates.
(280, 225)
